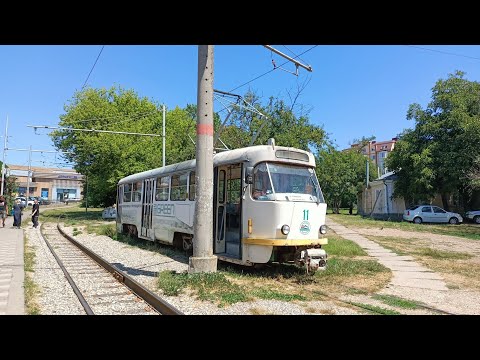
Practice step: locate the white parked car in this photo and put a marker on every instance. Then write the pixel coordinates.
(431, 214)
(109, 213)
(71, 200)
(23, 200)
(473, 215)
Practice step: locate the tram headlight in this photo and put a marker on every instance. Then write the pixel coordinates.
(323, 229)
(285, 229)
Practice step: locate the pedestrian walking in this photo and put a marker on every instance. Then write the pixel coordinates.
(3, 210)
(17, 214)
(35, 212)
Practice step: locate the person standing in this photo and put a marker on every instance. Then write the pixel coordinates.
(35, 212)
(3, 210)
(17, 214)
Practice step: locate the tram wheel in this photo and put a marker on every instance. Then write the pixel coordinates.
(187, 244)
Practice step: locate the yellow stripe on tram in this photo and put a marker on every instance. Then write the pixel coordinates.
(284, 242)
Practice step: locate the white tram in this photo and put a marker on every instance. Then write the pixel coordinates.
(267, 206)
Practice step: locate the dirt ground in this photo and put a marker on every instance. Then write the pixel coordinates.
(434, 241)
(462, 276)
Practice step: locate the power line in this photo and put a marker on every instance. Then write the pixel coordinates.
(100, 53)
(268, 72)
(444, 52)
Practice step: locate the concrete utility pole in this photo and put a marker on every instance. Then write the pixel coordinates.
(86, 194)
(28, 174)
(163, 147)
(3, 160)
(203, 259)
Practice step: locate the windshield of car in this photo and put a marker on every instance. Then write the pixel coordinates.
(413, 207)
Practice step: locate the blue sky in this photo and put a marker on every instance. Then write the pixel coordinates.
(354, 91)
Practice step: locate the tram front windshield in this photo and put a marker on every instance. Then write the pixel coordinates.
(283, 182)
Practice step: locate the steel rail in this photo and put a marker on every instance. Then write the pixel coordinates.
(152, 299)
(72, 283)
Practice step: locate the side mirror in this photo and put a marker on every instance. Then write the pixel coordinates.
(249, 175)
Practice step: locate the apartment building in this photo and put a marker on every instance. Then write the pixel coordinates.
(50, 183)
(378, 152)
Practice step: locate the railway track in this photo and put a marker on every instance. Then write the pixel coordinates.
(100, 287)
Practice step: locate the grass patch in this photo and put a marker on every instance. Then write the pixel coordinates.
(269, 294)
(342, 247)
(109, 230)
(376, 309)
(462, 273)
(442, 255)
(466, 230)
(354, 291)
(397, 301)
(72, 215)
(398, 245)
(213, 287)
(218, 288)
(348, 267)
(171, 283)
(289, 279)
(30, 287)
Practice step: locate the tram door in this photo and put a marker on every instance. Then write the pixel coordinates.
(228, 210)
(219, 247)
(147, 208)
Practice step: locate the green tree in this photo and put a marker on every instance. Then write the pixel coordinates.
(438, 155)
(342, 175)
(473, 175)
(10, 186)
(106, 158)
(279, 122)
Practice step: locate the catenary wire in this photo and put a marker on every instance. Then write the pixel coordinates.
(444, 52)
(93, 67)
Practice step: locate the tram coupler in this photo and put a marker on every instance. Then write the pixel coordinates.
(313, 259)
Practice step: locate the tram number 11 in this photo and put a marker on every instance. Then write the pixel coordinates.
(305, 214)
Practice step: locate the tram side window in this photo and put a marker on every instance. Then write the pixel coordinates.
(193, 188)
(137, 191)
(234, 184)
(261, 182)
(127, 192)
(179, 187)
(161, 193)
(119, 194)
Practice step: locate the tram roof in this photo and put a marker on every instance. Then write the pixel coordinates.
(252, 154)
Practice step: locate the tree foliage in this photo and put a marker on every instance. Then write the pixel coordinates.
(438, 155)
(106, 158)
(279, 122)
(10, 186)
(342, 175)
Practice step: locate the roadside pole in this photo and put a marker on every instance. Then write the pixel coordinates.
(3, 159)
(203, 259)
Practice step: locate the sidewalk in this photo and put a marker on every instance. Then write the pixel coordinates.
(406, 272)
(12, 298)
